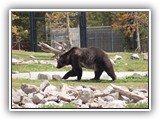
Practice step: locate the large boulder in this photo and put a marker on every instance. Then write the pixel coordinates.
(56, 77)
(86, 95)
(43, 76)
(44, 84)
(116, 104)
(29, 88)
(37, 98)
(17, 96)
(51, 90)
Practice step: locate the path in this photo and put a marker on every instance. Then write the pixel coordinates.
(86, 75)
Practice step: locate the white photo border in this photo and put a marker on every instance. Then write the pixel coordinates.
(76, 109)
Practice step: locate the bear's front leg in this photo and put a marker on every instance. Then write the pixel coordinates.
(71, 73)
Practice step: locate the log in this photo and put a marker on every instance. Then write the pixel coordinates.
(127, 93)
(48, 48)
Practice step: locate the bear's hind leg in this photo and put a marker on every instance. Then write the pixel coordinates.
(108, 68)
(97, 74)
(111, 73)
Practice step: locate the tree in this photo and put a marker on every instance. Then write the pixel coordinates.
(20, 28)
(62, 20)
(133, 24)
(99, 18)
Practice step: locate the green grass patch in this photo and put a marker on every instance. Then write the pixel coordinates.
(37, 68)
(141, 105)
(20, 54)
(134, 82)
(126, 64)
(123, 65)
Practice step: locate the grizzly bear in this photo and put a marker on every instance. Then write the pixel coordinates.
(92, 58)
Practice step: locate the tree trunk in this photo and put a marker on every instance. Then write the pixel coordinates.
(138, 49)
(68, 32)
(48, 48)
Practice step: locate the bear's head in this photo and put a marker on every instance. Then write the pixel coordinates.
(62, 61)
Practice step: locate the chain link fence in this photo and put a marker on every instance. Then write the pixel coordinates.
(102, 37)
(105, 38)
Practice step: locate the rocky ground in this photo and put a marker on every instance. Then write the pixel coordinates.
(31, 96)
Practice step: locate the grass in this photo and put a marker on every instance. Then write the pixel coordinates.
(134, 82)
(140, 105)
(37, 68)
(125, 64)
(20, 54)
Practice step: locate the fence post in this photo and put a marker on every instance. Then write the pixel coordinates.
(82, 24)
(33, 32)
(112, 40)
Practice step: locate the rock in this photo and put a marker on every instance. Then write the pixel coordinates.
(37, 98)
(145, 57)
(98, 93)
(108, 90)
(18, 92)
(31, 56)
(85, 95)
(78, 88)
(26, 99)
(17, 99)
(136, 75)
(139, 93)
(77, 102)
(44, 84)
(144, 101)
(29, 88)
(51, 90)
(84, 106)
(94, 105)
(115, 95)
(101, 102)
(142, 90)
(30, 105)
(65, 97)
(68, 90)
(52, 103)
(44, 76)
(116, 104)
(135, 56)
(108, 98)
(124, 98)
(16, 61)
(52, 98)
(15, 106)
(56, 77)
(17, 96)
(65, 88)
(117, 57)
(47, 95)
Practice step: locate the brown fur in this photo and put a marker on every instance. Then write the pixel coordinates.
(92, 58)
